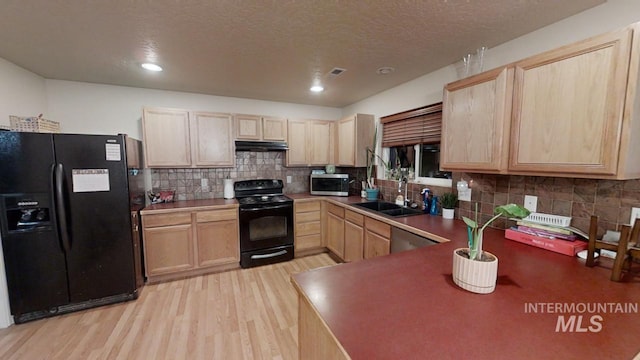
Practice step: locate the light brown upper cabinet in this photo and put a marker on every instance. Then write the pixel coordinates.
(179, 138)
(256, 127)
(355, 134)
(134, 153)
(310, 142)
(574, 113)
(212, 140)
(569, 108)
(166, 136)
(475, 122)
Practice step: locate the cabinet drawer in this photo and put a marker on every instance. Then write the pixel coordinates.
(308, 216)
(177, 218)
(308, 228)
(378, 227)
(307, 206)
(308, 242)
(216, 215)
(354, 217)
(335, 210)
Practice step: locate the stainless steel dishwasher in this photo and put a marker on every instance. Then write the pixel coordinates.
(402, 240)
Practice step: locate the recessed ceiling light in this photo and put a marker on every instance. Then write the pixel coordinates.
(385, 70)
(317, 88)
(151, 67)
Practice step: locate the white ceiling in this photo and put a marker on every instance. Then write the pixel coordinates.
(262, 49)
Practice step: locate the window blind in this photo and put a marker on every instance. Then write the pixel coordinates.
(418, 126)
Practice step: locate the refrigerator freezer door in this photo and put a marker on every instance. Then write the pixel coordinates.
(25, 161)
(34, 260)
(100, 260)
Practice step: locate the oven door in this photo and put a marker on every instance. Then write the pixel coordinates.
(266, 227)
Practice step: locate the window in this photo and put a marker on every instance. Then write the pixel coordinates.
(411, 145)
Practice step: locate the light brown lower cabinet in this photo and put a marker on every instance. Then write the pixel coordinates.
(335, 229)
(353, 236)
(217, 236)
(308, 226)
(377, 238)
(316, 342)
(169, 249)
(182, 242)
(168, 243)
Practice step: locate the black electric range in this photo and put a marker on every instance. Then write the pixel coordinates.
(266, 222)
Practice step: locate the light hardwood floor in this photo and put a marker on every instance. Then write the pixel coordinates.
(240, 314)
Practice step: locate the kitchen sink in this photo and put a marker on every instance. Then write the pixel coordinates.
(401, 212)
(388, 208)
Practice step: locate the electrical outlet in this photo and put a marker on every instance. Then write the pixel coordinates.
(635, 213)
(464, 195)
(289, 179)
(531, 202)
(204, 185)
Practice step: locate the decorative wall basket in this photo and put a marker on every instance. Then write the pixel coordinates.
(478, 276)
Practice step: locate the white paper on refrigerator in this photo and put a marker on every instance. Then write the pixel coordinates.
(90, 180)
(113, 152)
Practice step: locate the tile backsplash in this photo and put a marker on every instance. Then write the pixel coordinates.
(389, 191)
(249, 165)
(610, 200)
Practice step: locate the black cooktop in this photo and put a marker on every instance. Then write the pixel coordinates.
(266, 199)
(260, 191)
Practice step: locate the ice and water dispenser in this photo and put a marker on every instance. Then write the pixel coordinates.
(25, 212)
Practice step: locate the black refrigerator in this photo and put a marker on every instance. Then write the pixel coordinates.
(69, 221)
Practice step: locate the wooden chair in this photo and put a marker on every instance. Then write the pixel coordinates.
(627, 248)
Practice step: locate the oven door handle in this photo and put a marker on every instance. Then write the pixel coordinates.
(266, 256)
(266, 208)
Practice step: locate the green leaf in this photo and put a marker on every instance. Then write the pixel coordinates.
(512, 210)
(472, 224)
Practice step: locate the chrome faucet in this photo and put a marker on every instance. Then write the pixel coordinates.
(403, 179)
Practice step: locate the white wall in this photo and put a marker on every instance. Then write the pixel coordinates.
(107, 109)
(22, 93)
(427, 89)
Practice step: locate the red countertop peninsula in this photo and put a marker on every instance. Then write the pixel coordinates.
(406, 306)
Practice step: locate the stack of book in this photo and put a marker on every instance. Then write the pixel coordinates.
(564, 240)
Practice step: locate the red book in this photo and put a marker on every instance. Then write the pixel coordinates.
(556, 245)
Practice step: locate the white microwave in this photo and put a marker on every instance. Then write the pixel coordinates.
(329, 184)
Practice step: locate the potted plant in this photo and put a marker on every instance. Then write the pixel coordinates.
(448, 201)
(476, 270)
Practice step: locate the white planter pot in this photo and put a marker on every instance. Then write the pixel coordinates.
(448, 213)
(478, 276)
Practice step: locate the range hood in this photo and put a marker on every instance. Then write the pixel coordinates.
(261, 146)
